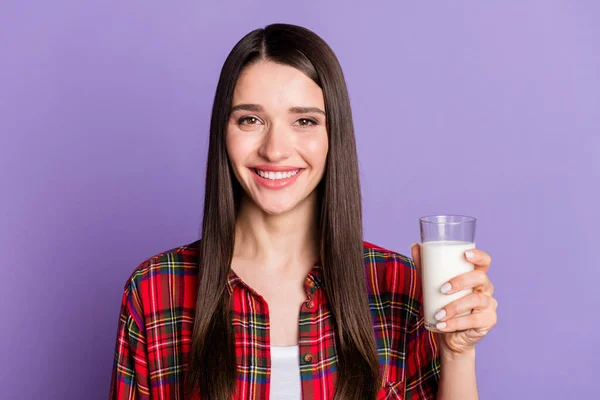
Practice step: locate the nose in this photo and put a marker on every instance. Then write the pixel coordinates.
(277, 145)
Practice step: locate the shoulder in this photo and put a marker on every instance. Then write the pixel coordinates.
(380, 260)
(158, 282)
(182, 260)
(392, 274)
(381, 256)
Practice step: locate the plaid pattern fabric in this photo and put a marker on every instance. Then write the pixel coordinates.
(157, 317)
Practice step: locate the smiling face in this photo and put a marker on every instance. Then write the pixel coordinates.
(277, 137)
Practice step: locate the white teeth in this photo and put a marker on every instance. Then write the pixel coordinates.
(276, 175)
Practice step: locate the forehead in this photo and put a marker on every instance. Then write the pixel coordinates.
(276, 86)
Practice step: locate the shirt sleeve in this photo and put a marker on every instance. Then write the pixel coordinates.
(130, 368)
(423, 365)
(422, 355)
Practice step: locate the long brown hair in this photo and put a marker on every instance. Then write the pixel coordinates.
(212, 364)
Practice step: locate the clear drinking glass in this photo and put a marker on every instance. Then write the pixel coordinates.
(444, 240)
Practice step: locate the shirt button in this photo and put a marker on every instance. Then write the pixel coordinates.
(310, 304)
(308, 358)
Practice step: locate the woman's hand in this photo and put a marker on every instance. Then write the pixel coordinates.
(460, 334)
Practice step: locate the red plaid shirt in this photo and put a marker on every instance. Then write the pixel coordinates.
(157, 317)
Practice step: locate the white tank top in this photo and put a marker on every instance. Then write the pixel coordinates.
(285, 373)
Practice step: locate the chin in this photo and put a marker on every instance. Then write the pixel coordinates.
(275, 209)
(279, 203)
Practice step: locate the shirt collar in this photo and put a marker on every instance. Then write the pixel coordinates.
(314, 280)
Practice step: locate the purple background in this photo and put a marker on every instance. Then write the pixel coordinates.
(491, 110)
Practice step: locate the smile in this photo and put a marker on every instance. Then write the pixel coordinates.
(275, 175)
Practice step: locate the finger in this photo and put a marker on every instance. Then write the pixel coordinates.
(483, 321)
(415, 250)
(469, 280)
(473, 301)
(479, 258)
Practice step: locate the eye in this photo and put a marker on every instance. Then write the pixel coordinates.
(304, 122)
(248, 121)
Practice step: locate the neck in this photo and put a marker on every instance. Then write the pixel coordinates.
(277, 240)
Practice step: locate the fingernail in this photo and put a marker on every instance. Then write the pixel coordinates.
(469, 254)
(440, 315)
(413, 245)
(441, 325)
(445, 288)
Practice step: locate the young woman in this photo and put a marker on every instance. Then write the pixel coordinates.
(281, 298)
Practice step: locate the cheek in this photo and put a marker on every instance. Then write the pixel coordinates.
(230, 145)
(315, 149)
(238, 148)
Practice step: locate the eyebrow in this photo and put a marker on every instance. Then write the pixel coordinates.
(293, 110)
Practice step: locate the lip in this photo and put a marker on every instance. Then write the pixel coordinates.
(276, 168)
(275, 184)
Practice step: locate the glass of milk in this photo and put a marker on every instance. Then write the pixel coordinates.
(444, 240)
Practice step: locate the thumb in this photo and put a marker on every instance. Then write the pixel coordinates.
(415, 249)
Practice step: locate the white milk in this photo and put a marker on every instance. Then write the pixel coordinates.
(440, 262)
